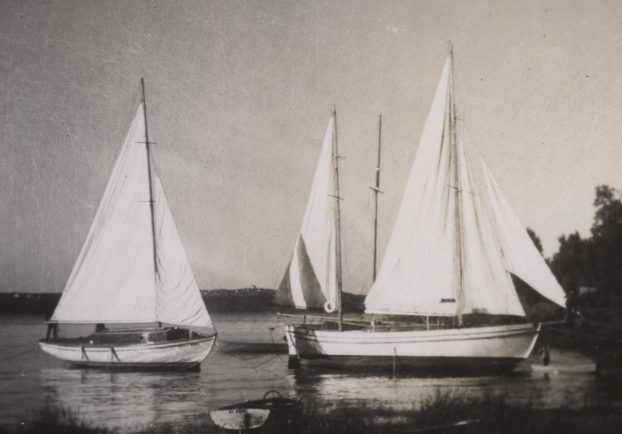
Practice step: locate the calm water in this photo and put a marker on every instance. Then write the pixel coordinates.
(30, 379)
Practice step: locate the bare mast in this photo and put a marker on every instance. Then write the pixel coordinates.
(338, 219)
(376, 190)
(147, 143)
(453, 137)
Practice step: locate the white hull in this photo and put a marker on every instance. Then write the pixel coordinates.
(186, 354)
(464, 347)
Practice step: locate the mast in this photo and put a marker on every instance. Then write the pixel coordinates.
(153, 229)
(338, 219)
(458, 205)
(376, 190)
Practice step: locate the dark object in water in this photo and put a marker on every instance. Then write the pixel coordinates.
(546, 356)
(272, 414)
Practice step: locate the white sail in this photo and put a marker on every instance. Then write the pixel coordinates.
(417, 272)
(115, 277)
(520, 255)
(178, 299)
(441, 258)
(310, 279)
(486, 285)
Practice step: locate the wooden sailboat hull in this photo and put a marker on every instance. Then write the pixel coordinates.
(473, 347)
(183, 354)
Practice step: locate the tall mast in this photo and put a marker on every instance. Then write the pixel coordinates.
(153, 229)
(338, 219)
(458, 206)
(376, 190)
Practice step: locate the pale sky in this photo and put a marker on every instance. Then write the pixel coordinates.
(239, 94)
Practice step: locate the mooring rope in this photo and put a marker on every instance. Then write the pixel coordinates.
(22, 371)
(245, 360)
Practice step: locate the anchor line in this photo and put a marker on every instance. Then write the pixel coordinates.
(245, 360)
(22, 371)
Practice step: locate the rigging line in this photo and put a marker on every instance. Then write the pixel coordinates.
(274, 343)
(8, 347)
(245, 361)
(22, 371)
(13, 356)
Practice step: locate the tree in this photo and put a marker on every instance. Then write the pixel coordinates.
(607, 239)
(595, 261)
(571, 264)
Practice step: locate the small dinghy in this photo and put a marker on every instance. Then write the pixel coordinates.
(273, 414)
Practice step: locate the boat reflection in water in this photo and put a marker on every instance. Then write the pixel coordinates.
(124, 400)
(405, 392)
(118, 399)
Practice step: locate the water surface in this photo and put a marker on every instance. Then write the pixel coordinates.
(29, 380)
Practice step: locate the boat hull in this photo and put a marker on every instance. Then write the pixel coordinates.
(464, 348)
(183, 354)
(276, 414)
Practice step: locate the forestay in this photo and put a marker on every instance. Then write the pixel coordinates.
(114, 278)
(310, 279)
(520, 255)
(442, 258)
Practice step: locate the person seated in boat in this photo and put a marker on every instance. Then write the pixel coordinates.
(100, 327)
(52, 330)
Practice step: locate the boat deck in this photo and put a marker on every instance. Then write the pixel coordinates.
(134, 336)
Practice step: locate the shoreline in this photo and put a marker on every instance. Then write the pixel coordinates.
(443, 413)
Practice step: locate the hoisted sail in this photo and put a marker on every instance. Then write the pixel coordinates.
(417, 272)
(178, 299)
(310, 279)
(114, 278)
(441, 258)
(486, 285)
(520, 255)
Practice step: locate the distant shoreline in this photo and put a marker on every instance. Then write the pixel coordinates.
(217, 300)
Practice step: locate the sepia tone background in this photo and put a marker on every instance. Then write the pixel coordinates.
(239, 94)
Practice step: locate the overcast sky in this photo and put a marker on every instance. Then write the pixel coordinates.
(239, 94)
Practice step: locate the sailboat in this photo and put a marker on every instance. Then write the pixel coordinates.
(455, 249)
(313, 277)
(132, 280)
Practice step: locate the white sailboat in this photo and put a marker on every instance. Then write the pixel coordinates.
(450, 258)
(313, 276)
(132, 279)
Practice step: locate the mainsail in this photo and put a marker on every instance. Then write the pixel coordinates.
(310, 280)
(520, 255)
(115, 279)
(442, 258)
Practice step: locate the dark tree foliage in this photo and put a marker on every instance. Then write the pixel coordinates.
(595, 261)
(572, 263)
(607, 240)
